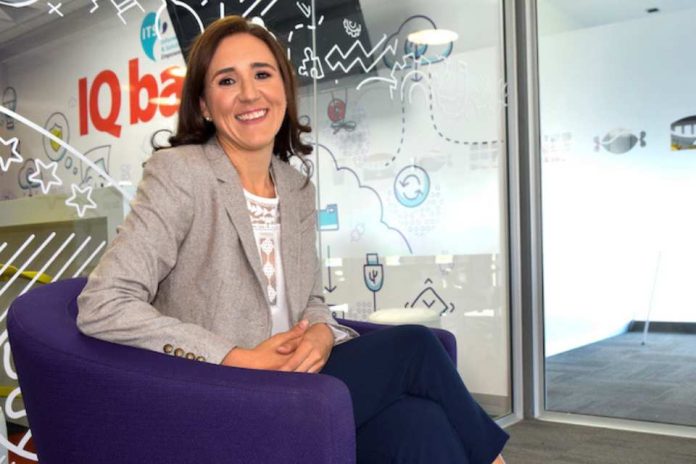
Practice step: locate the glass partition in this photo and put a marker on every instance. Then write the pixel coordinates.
(617, 139)
(409, 120)
(407, 102)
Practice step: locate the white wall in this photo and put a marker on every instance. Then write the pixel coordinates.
(607, 216)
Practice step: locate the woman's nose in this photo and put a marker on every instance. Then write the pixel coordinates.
(249, 92)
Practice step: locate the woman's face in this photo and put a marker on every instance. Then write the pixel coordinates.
(244, 94)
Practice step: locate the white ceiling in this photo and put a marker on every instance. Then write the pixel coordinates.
(28, 16)
(554, 15)
(577, 14)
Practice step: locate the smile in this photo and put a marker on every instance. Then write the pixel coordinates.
(251, 115)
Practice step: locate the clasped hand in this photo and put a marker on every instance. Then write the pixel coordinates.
(300, 349)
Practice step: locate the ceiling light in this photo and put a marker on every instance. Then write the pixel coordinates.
(433, 37)
(652, 10)
(166, 101)
(178, 71)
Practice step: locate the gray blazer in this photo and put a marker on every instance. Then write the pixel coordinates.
(183, 275)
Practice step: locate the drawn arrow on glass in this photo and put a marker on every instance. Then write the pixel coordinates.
(330, 288)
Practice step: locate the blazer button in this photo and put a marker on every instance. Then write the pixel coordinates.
(190, 356)
(200, 358)
(168, 348)
(179, 352)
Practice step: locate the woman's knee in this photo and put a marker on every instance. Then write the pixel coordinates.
(414, 335)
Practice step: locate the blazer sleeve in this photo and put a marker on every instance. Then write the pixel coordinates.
(316, 309)
(115, 305)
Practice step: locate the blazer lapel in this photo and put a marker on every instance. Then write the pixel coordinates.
(290, 239)
(233, 198)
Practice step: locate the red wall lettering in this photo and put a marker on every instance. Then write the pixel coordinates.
(106, 119)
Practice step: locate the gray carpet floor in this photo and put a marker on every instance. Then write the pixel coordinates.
(537, 442)
(618, 377)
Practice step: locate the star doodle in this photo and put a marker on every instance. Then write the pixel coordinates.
(38, 178)
(85, 193)
(15, 157)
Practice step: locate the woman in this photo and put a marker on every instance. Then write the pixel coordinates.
(223, 229)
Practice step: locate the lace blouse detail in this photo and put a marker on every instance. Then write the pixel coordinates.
(265, 220)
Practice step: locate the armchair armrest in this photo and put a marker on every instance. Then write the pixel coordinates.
(447, 338)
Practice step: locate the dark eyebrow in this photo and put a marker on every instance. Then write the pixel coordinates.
(253, 65)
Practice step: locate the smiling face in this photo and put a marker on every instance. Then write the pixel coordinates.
(244, 95)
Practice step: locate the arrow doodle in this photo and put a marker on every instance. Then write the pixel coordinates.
(330, 288)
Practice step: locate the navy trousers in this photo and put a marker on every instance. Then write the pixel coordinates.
(410, 404)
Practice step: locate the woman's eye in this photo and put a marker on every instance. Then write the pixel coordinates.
(226, 81)
(263, 75)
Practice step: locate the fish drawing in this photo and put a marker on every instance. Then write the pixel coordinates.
(619, 141)
(683, 133)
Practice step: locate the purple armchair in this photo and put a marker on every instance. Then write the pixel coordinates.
(91, 401)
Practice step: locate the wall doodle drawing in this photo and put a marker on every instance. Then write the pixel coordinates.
(373, 276)
(429, 298)
(9, 153)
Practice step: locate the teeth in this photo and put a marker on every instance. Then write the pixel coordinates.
(251, 115)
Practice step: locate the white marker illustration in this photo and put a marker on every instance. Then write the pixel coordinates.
(17, 4)
(311, 65)
(15, 157)
(255, 4)
(67, 147)
(352, 28)
(37, 176)
(363, 55)
(54, 9)
(79, 193)
(305, 9)
(94, 8)
(124, 6)
(179, 4)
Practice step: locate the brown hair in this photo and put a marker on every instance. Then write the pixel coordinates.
(192, 128)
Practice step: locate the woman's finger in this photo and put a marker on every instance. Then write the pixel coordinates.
(317, 366)
(289, 346)
(296, 333)
(301, 353)
(312, 358)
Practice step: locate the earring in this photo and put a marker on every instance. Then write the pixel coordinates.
(208, 118)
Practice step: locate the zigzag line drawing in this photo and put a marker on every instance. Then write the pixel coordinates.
(344, 56)
(362, 186)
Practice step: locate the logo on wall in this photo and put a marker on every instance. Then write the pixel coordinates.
(148, 35)
(152, 34)
(620, 141)
(683, 134)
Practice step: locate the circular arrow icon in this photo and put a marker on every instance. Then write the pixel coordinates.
(412, 186)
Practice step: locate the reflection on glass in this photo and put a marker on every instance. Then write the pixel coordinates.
(409, 131)
(409, 159)
(617, 165)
